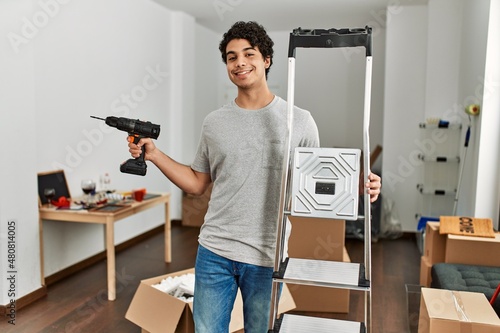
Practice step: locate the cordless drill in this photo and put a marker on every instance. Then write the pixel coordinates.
(136, 130)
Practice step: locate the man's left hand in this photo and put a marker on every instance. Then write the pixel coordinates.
(373, 186)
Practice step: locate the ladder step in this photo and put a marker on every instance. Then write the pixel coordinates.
(360, 217)
(289, 323)
(323, 273)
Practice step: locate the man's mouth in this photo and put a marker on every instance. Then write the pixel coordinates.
(242, 72)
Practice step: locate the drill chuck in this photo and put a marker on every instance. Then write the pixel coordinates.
(137, 127)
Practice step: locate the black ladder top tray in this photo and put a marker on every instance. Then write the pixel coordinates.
(330, 38)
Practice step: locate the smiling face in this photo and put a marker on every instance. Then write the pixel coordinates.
(246, 66)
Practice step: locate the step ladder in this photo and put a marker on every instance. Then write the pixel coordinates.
(353, 276)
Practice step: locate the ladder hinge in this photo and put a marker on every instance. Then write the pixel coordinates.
(363, 282)
(281, 273)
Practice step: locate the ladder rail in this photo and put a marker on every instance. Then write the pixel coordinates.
(367, 203)
(284, 192)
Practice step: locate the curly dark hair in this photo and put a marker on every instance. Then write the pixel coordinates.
(256, 36)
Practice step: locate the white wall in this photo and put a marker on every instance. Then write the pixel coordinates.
(18, 166)
(443, 38)
(486, 203)
(210, 72)
(481, 84)
(472, 69)
(406, 45)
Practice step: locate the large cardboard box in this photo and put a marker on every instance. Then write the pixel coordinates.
(194, 208)
(316, 238)
(473, 250)
(425, 272)
(443, 311)
(320, 239)
(459, 249)
(158, 312)
(435, 243)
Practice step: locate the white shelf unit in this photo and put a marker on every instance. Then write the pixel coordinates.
(439, 160)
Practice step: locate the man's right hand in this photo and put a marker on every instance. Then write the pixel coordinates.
(136, 149)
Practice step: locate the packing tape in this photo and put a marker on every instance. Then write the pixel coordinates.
(465, 322)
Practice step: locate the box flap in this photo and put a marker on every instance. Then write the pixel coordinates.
(186, 322)
(433, 225)
(155, 311)
(236, 322)
(157, 279)
(496, 239)
(346, 257)
(286, 301)
(468, 226)
(459, 306)
(478, 309)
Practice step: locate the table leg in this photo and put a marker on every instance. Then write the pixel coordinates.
(42, 261)
(168, 234)
(110, 253)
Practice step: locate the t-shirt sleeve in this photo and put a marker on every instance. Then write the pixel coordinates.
(310, 137)
(201, 162)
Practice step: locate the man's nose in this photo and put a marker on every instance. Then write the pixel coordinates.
(240, 61)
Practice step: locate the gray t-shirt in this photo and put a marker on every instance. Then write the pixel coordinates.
(243, 152)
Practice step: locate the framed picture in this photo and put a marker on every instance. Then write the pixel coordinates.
(52, 179)
(108, 208)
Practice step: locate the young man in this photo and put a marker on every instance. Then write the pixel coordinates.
(240, 152)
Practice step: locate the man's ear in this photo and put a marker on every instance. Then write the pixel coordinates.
(267, 62)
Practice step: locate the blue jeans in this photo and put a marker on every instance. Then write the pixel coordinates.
(216, 284)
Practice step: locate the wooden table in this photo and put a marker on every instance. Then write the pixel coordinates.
(108, 219)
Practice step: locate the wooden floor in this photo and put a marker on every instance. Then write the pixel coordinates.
(79, 303)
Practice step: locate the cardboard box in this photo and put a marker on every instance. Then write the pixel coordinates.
(321, 239)
(458, 249)
(316, 238)
(194, 208)
(473, 250)
(158, 312)
(435, 243)
(443, 311)
(425, 272)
